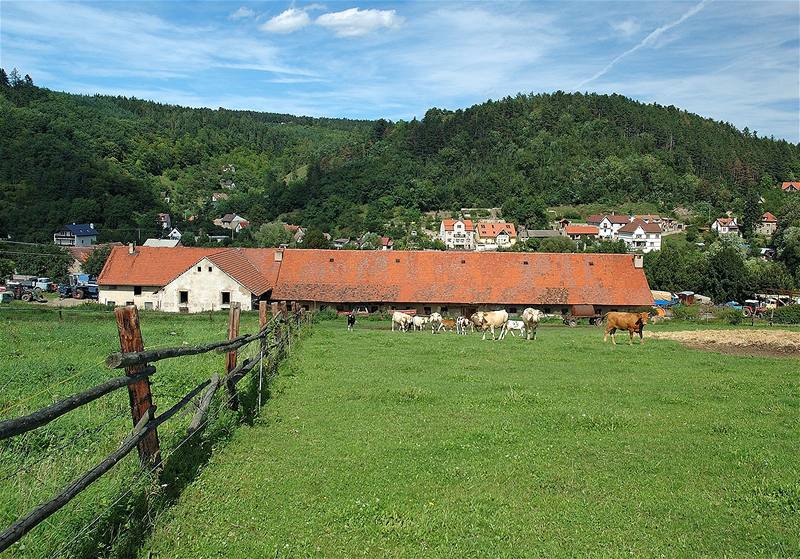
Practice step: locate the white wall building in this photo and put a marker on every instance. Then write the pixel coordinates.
(640, 236)
(726, 226)
(608, 225)
(457, 234)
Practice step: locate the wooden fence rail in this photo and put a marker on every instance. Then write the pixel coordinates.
(135, 359)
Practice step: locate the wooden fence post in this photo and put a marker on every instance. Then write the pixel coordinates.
(230, 357)
(141, 399)
(262, 322)
(274, 309)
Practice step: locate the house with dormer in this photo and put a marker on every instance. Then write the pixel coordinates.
(457, 234)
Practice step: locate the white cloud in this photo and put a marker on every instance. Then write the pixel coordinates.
(242, 13)
(626, 27)
(355, 22)
(287, 21)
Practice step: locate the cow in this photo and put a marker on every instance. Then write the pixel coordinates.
(462, 323)
(511, 326)
(436, 322)
(418, 322)
(632, 322)
(489, 321)
(351, 321)
(531, 318)
(447, 324)
(402, 320)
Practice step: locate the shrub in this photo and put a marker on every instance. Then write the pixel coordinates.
(326, 314)
(686, 312)
(729, 315)
(787, 315)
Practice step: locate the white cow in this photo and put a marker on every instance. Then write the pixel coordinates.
(436, 322)
(419, 322)
(402, 320)
(489, 321)
(462, 323)
(531, 318)
(511, 326)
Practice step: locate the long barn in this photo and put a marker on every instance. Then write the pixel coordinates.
(183, 279)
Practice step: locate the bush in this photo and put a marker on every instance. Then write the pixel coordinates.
(787, 315)
(326, 314)
(686, 312)
(729, 315)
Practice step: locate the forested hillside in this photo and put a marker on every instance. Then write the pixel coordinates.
(111, 161)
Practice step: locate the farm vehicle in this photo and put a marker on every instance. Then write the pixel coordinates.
(80, 286)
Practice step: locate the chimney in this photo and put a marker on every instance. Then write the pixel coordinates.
(638, 261)
(131, 249)
(279, 255)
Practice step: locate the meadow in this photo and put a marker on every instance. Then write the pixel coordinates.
(43, 359)
(381, 444)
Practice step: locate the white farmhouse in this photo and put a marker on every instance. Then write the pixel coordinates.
(640, 236)
(726, 226)
(188, 279)
(458, 234)
(608, 225)
(76, 235)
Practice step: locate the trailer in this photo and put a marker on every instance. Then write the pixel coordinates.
(582, 312)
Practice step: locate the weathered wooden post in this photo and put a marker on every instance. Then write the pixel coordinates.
(274, 309)
(262, 322)
(141, 399)
(230, 357)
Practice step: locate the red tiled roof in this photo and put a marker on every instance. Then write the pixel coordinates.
(492, 230)
(768, 217)
(727, 221)
(612, 218)
(636, 223)
(386, 242)
(482, 278)
(237, 264)
(450, 223)
(581, 230)
(595, 219)
(618, 218)
(291, 228)
(791, 185)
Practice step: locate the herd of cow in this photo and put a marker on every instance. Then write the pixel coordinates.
(489, 321)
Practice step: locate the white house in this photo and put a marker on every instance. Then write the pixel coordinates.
(768, 224)
(188, 279)
(608, 225)
(640, 236)
(235, 222)
(458, 234)
(76, 235)
(726, 226)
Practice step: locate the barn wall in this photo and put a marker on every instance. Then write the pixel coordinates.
(205, 290)
(122, 295)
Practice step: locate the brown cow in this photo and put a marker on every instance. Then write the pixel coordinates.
(630, 321)
(447, 324)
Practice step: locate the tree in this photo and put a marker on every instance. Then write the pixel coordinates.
(97, 260)
(6, 268)
(272, 235)
(4, 83)
(751, 216)
(557, 244)
(14, 78)
(315, 238)
(726, 278)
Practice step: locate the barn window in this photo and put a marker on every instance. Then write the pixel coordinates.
(443, 309)
(128, 303)
(547, 310)
(426, 310)
(397, 260)
(330, 260)
(591, 263)
(137, 290)
(199, 268)
(183, 297)
(148, 305)
(226, 297)
(524, 262)
(512, 310)
(463, 261)
(210, 269)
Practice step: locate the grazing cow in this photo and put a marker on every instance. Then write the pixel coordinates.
(489, 321)
(436, 322)
(531, 318)
(511, 326)
(447, 324)
(419, 322)
(351, 321)
(632, 322)
(462, 323)
(402, 320)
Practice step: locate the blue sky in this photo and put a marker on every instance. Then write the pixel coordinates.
(733, 61)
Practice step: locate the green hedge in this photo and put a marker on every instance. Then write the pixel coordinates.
(787, 315)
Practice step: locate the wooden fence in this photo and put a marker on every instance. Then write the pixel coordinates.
(274, 338)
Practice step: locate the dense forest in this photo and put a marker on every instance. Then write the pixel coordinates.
(117, 162)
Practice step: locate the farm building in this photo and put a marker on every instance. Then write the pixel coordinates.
(184, 279)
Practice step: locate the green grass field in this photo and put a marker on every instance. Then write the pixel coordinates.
(382, 444)
(42, 360)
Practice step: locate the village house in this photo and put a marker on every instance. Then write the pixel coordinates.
(641, 236)
(491, 235)
(233, 221)
(219, 197)
(189, 279)
(76, 234)
(297, 232)
(608, 224)
(525, 234)
(164, 243)
(457, 234)
(790, 186)
(726, 226)
(581, 232)
(175, 234)
(386, 243)
(164, 221)
(768, 225)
